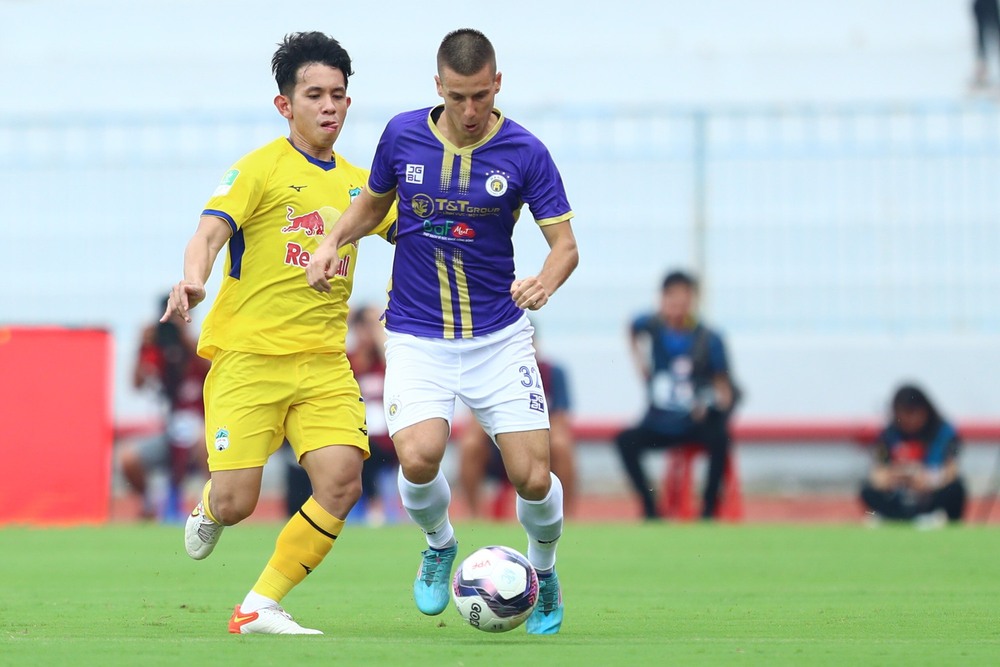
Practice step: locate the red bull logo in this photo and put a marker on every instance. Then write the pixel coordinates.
(310, 223)
(296, 255)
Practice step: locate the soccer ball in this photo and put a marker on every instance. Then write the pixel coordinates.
(495, 589)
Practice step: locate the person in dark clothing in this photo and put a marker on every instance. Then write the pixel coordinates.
(987, 15)
(915, 472)
(168, 363)
(689, 390)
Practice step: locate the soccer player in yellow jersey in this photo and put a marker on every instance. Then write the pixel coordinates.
(279, 367)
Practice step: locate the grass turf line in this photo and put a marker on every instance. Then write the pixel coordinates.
(635, 594)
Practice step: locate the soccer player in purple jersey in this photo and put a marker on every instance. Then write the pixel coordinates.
(455, 319)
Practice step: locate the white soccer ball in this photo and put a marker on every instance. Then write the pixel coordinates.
(495, 589)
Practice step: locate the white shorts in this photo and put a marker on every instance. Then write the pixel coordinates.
(496, 375)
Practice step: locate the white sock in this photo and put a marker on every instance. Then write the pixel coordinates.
(255, 602)
(543, 521)
(427, 504)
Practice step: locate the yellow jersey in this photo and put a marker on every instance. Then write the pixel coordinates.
(278, 202)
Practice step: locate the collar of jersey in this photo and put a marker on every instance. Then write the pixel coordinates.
(322, 164)
(690, 324)
(465, 149)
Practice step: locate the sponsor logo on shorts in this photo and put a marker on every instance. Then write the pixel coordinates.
(536, 401)
(221, 440)
(394, 407)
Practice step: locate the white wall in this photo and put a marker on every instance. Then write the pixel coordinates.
(183, 54)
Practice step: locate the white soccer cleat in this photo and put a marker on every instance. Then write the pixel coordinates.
(201, 534)
(267, 621)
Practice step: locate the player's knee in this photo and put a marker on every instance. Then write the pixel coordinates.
(338, 498)
(229, 509)
(417, 466)
(535, 484)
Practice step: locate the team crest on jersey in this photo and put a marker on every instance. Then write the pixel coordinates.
(353, 193)
(221, 440)
(227, 182)
(422, 205)
(496, 184)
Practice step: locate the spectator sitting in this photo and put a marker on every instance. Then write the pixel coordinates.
(915, 473)
(690, 393)
(167, 362)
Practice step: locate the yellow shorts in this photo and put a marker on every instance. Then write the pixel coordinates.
(254, 401)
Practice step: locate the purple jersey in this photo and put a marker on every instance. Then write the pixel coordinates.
(454, 258)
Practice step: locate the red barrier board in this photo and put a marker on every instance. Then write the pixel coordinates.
(56, 430)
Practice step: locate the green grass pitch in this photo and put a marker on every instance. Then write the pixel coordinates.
(635, 595)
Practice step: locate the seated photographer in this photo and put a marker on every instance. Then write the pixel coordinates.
(690, 392)
(915, 472)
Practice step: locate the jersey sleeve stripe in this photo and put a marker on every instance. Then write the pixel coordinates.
(237, 246)
(552, 221)
(222, 214)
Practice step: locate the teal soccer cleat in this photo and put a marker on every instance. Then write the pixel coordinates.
(548, 615)
(431, 589)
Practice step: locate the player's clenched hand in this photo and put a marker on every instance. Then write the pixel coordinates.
(184, 296)
(320, 267)
(529, 294)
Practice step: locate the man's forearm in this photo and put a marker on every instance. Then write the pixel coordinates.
(198, 260)
(559, 264)
(361, 217)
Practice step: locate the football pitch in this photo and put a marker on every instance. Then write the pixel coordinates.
(635, 595)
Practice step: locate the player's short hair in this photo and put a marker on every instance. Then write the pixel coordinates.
(466, 51)
(680, 278)
(301, 48)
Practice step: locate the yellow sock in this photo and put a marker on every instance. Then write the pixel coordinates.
(302, 544)
(204, 501)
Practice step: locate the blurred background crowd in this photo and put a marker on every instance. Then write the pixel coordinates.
(823, 172)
